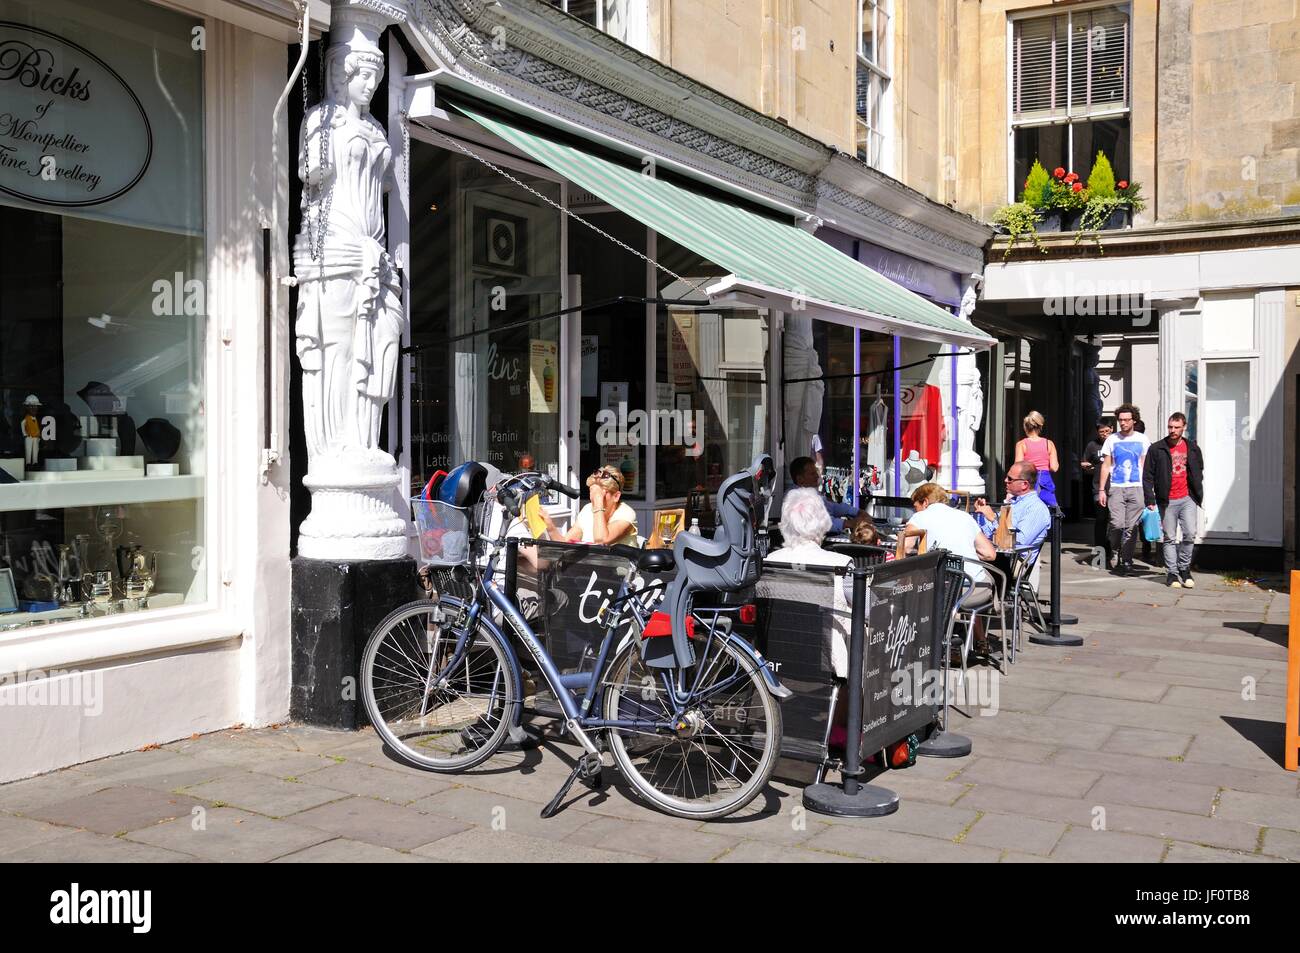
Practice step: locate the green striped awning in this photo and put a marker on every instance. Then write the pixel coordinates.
(772, 263)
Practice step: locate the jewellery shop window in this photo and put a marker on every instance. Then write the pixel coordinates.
(102, 311)
(486, 381)
(711, 380)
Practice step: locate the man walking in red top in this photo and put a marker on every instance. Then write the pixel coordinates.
(1171, 482)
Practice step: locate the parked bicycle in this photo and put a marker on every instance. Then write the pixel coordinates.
(686, 708)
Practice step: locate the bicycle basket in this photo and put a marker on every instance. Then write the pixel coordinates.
(445, 532)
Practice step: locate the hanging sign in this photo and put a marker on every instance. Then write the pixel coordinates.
(72, 132)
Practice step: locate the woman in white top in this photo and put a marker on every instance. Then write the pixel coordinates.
(606, 520)
(945, 527)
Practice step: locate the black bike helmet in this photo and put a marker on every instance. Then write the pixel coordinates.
(464, 486)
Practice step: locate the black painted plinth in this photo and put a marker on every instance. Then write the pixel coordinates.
(336, 605)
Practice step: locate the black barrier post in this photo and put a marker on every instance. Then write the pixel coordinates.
(854, 799)
(1053, 634)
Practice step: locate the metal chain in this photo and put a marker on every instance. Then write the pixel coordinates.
(406, 145)
(324, 193)
(571, 214)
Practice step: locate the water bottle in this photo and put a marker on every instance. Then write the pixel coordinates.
(695, 526)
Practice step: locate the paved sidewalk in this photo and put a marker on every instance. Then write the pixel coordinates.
(1158, 740)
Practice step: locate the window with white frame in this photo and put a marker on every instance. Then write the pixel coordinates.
(872, 78)
(621, 19)
(1070, 90)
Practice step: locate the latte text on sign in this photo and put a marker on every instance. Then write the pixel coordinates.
(72, 132)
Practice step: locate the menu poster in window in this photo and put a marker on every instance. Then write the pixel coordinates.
(664, 396)
(624, 459)
(681, 349)
(543, 376)
(613, 393)
(901, 667)
(590, 364)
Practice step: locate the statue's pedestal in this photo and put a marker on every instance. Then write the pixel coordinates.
(352, 512)
(336, 606)
(968, 476)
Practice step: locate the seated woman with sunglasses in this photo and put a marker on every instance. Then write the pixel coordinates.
(605, 520)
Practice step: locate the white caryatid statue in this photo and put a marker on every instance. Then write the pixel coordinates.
(969, 411)
(804, 397)
(348, 329)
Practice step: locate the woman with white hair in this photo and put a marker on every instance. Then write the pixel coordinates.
(804, 524)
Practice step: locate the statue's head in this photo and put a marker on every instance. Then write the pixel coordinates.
(354, 74)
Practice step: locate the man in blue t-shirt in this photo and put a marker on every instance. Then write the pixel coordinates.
(1122, 458)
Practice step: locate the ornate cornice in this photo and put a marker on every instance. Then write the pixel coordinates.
(531, 52)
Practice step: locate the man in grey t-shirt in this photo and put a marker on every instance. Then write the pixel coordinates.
(1122, 457)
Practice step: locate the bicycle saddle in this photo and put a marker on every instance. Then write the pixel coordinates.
(647, 560)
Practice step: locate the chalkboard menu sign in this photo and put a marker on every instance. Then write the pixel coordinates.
(902, 669)
(800, 611)
(576, 582)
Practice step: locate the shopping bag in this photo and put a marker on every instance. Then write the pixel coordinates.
(1152, 531)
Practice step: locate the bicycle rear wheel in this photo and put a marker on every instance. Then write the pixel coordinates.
(438, 715)
(722, 757)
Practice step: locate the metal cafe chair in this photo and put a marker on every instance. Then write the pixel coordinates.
(1024, 597)
(995, 608)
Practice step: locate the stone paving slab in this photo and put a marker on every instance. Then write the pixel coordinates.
(1013, 832)
(263, 794)
(1280, 843)
(1084, 845)
(1042, 779)
(229, 836)
(1163, 795)
(353, 777)
(487, 846)
(872, 843)
(1186, 772)
(340, 850)
(116, 809)
(379, 823)
(649, 839)
(1180, 853)
(1266, 810)
(17, 833)
(1147, 742)
(86, 847)
(757, 852)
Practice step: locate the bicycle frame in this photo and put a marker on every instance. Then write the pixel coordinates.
(564, 687)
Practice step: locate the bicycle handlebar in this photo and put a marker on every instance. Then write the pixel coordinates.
(571, 492)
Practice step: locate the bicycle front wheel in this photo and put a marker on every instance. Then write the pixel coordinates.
(441, 702)
(724, 748)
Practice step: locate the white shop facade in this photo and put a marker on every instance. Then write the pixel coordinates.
(548, 296)
(1197, 319)
(143, 518)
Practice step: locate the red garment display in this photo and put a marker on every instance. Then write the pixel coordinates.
(923, 427)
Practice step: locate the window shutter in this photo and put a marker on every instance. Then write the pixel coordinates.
(1039, 55)
(1099, 61)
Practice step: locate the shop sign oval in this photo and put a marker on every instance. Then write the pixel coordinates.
(72, 132)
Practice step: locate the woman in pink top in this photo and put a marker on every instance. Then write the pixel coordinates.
(1041, 452)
